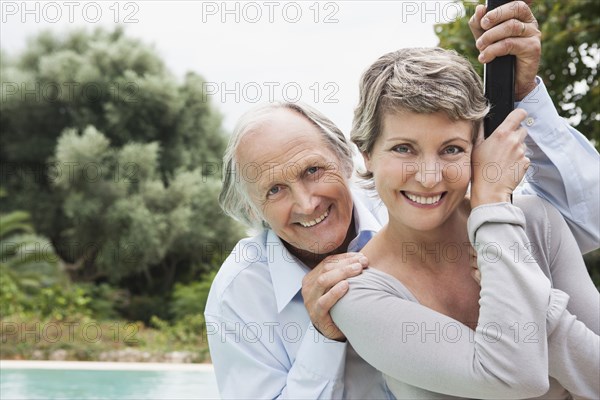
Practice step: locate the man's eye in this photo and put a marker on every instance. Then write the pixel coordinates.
(312, 170)
(273, 190)
(401, 148)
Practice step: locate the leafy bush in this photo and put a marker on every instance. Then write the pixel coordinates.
(191, 299)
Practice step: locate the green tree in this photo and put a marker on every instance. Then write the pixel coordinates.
(570, 54)
(114, 158)
(127, 220)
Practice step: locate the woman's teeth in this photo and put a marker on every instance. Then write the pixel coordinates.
(423, 199)
(315, 221)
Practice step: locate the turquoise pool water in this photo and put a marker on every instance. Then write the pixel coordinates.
(115, 385)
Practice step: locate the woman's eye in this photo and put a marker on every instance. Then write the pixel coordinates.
(401, 149)
(453, 150)
(312, 170)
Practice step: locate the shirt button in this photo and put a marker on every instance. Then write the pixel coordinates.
(529, 121)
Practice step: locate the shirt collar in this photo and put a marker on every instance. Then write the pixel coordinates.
(365, 222)
(287, 271)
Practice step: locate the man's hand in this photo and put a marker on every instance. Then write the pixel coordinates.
(510, 29)
(325, 285)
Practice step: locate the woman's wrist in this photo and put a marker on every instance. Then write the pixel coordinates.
(488, 198)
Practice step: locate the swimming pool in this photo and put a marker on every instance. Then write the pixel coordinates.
(98, 381)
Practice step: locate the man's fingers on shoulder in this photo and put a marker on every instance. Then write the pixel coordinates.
(354, 269)
(324, 280)
(346, 259)
(329, 299)
(331, 262)
(363, 260)
(329, 279)
(340, 288)
(344, 256)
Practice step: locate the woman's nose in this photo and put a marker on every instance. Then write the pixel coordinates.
(429, 173)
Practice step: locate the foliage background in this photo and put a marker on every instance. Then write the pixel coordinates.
(110, 173)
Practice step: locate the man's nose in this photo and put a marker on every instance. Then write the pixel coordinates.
(305, 201)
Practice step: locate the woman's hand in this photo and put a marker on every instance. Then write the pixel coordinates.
(499, 163)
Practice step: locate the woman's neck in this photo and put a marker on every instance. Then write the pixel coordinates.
(443, 245)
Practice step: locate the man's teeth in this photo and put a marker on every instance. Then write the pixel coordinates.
(315, 221)
(422, 199)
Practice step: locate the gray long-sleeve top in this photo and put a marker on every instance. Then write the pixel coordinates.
(526, 340)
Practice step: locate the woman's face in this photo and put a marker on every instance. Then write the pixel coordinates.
(421, 167)
(297, 182)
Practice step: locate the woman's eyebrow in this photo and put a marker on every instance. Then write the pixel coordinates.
(400, 138)
(455, 138)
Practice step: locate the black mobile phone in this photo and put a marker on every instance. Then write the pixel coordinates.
(499, 82)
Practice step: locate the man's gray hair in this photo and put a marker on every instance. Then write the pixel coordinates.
(419, 80)
(234, 198)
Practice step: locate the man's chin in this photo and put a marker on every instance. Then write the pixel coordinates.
(315, 249)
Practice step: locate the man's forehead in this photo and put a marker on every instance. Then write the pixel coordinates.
(278, 140)
(274, 171)
(280, 124)
(293, 164)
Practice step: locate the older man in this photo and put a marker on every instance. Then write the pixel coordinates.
(288, 170)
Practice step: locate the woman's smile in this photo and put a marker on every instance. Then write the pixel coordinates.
(431, 200)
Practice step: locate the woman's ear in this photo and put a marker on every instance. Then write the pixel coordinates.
(480, 137)
(367, 160)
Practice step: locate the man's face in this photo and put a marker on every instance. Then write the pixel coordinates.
(296, 181)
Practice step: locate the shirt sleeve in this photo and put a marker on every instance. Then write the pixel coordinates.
(418, 346)
(565, 167)
(254, 366)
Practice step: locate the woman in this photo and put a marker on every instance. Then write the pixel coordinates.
(415, 314)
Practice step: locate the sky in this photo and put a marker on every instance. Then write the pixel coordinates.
(251, 52)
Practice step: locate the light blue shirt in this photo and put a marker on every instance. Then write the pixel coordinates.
(261, 340)
(565, 167)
